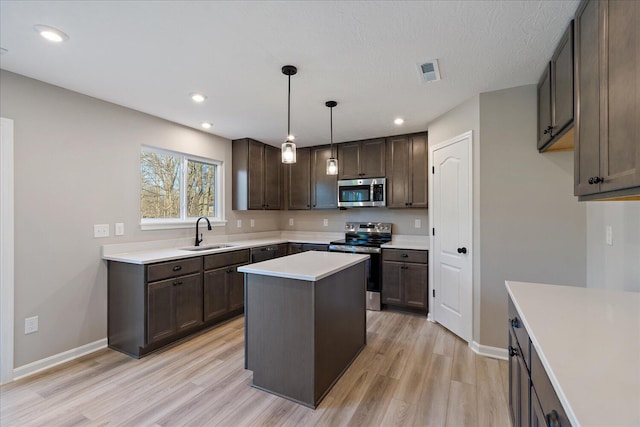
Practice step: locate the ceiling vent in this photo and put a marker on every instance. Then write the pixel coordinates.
(429, 71)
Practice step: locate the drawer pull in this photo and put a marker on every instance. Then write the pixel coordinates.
(515, 323)
(177, 283)
(404, 255)
(553, 420)
(513, 352)
(177, 268)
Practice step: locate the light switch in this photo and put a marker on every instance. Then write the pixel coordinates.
(252, 222)
(325, 222)
(418, 223)
(119, 229)
(239, 223)
(291, 221)
(609, 235)
(101, 230)
(30, 325)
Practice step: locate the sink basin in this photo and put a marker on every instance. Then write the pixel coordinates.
(206, 247)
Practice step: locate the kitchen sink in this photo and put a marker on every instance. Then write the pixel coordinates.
(206, 247)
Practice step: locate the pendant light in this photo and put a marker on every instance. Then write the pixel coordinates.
(332, 162)
(288, 146)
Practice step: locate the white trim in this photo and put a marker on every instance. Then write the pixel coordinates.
(488, 351)
(169, 225)
(57, 359)
(6, 250)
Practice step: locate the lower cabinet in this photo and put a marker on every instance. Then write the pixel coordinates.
(405, 278)
(296, 248)
(223, 285)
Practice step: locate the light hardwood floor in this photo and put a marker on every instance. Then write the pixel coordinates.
(412, 372)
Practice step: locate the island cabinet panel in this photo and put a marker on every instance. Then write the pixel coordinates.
(607, 155)
(405, 280)
(256, 169)
(543, 391)
(324, 188)
(362, 159)
(407, 171)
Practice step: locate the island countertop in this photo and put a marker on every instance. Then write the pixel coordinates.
(588, 341)
(310, 266)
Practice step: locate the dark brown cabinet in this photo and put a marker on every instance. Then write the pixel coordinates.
(407, 171)
(298, 181)
(296, 248)
(405, 278)
(362, 159)
(324, 188)
(256, 175)
(555, 98)
(607, 149)
(223, 284)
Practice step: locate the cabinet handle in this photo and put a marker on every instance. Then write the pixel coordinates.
(553, 420)
(513, 351)
(177, 282)
(177, 268)
(514, 322)
(597, 180)
(229, 270)
(404, 255)
(548, 130)
(462, 250)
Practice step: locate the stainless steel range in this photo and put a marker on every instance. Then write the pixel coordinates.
(366, 238)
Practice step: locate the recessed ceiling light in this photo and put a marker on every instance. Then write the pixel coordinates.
(206, 125)
(198, 97)
(51, 34)
(398, 121)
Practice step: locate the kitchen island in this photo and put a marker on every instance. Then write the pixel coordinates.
(305, 322)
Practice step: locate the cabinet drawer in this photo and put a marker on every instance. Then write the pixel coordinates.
(226, 258)
(516, 325)
(408, 255)
(549, 402)
(169, 269)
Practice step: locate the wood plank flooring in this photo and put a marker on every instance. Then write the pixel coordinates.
(412, 373)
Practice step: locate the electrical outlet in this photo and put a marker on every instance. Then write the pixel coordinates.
(239, 223)
(609, 235)
(418, 223)
(291, 221)
(30, 325)
(101, 230)
(325, 222)
(119, 229)
(252, 222)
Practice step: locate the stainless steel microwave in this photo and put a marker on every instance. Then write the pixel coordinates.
(355, 193)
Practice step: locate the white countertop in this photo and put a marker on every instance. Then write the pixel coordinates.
(588, 341)
(419, 243)
(310, 266)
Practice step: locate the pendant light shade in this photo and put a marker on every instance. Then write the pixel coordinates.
(332, 162)
(288, 146)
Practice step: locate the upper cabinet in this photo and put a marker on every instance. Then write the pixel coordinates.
(324, 188)
(256, 175)
(555, 98)
(298, 181)
(362, 159)
(407, 171)
(607, 146)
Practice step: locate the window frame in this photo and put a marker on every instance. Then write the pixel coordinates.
(184, 221)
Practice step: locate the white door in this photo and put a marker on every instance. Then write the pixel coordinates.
(451, 212)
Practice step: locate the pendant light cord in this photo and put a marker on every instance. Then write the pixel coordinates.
(289, 110)
(331, 121)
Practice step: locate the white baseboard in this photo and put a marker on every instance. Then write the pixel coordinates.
(57, 359)
(485, 350)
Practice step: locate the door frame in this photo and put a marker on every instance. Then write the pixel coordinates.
(6, 250)
(432, 262)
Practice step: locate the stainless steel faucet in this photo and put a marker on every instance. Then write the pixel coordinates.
(198, 240)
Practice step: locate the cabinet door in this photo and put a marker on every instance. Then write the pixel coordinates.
(216, 300)
(562, 83)
(391, 283)
(372, 158)
(398, 149)
(324, 188)
(188, 297)
(295, 248)
(349, 160)
(415, 284)
(161, 320)
(255, 181)
(298, 181)
(537, 415)
(235, 283)
(272, 182)
(544, 108)
(518, 386)
(419, 167)
(620, 101)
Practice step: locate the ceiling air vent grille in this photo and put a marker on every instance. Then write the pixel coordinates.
(429, 71)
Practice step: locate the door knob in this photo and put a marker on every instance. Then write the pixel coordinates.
(462, 250)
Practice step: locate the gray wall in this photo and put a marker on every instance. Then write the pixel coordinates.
(617, 266)
(527, 224)
(77, 164)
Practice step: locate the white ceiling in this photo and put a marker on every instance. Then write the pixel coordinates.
(149, 55)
